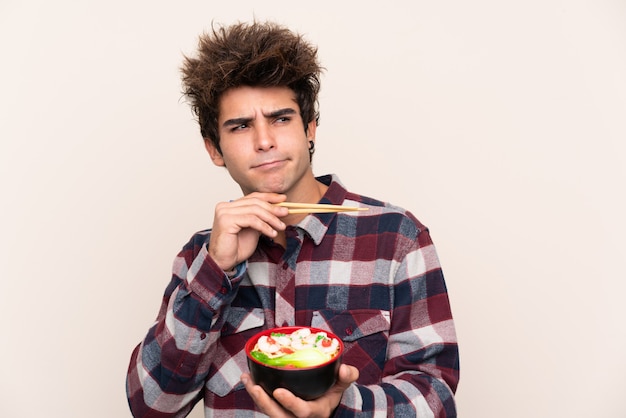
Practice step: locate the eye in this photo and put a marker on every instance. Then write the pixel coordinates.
(283, 119)
(239, 127)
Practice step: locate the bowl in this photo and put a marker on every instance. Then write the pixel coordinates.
(303, 380)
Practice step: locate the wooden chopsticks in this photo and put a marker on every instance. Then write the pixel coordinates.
(317, 208)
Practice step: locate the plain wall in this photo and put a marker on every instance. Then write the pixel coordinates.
(500, 125)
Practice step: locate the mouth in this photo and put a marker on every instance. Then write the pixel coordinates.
(269, 165)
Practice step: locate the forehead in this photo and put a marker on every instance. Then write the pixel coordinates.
(249, 101)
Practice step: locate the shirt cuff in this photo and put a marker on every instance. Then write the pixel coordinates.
(237, 271)
(207, 280)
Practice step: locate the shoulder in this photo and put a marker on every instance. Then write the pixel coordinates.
(386, 216)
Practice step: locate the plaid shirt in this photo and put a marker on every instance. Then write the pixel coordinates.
(373, 278)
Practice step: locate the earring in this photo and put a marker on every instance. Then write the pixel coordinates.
(311, 147)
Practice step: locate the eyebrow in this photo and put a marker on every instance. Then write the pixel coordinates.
(280, 112)
(246, 120)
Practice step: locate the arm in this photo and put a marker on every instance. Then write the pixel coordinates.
(168, 369)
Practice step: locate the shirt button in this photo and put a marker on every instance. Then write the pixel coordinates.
(203, 336)
(348, 331)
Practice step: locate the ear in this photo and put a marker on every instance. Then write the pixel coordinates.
(216, 155)
(310, 131)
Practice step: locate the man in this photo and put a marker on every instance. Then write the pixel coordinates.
(371, 277)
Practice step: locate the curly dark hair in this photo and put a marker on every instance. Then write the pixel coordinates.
(256, 55)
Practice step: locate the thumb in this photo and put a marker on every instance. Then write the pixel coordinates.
(347, 375)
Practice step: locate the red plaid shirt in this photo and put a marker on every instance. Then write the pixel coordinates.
(373, 278)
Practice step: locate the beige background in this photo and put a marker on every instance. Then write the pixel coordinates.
(499, 124)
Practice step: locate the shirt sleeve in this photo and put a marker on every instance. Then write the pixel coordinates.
(421, 369)
(168, 368)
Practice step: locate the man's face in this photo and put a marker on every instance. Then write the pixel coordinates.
(263, 140)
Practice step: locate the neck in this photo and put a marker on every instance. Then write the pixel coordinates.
(315, 195)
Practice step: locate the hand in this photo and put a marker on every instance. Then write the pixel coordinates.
(237, 226)
(289, 405)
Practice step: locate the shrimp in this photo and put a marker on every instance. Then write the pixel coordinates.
(301, 333)
(300, 344)
(283, 340)
(302, 338)
(267, 344)
(328, 345)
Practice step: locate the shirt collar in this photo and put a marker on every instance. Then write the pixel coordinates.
(316, 224)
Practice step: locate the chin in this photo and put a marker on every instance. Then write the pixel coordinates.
(273, 187)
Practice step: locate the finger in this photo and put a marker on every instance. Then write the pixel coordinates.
(260, 216)
(299, 407)
(267, 405)
(347, 375)
(252, 206)
(267, 197)
(248, 383)
(261, 222)
(267, 200)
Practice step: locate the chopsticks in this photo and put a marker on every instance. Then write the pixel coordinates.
(317, 208)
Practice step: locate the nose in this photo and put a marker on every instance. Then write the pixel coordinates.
(264, 137)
